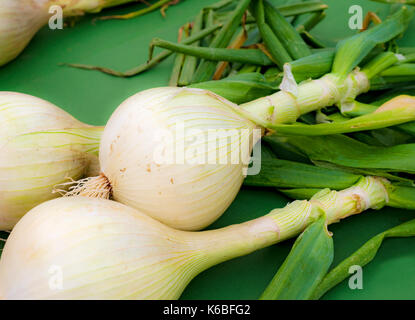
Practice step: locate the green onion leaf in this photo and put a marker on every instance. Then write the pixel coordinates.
(362, 257)
(305, 266)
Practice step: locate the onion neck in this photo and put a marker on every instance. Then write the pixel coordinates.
(286, 107)
(86, 139)
(220, 245)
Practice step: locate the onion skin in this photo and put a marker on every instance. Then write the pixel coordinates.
(91, 248)
(117, 234)
(182, 195)
(40, 146)
(106, 250)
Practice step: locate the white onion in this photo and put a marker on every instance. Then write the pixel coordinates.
(19, 22)
(183, 195)
(21, 19)
(40, 146)
(87, 248)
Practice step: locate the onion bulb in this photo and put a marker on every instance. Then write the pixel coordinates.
(142, 166)
(88, 248)
(40, 146)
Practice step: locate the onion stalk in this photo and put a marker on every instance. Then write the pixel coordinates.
(84, 248)
(40, 146)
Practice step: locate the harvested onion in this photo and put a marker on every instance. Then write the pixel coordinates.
(187, 193)
(198, 175)
(85, 248)
(40, 146)
(21, 19)
(19, 22)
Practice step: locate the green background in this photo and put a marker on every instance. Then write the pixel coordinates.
(91, 97)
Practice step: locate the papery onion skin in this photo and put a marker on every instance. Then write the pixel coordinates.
(182, 195)
(105, 251)
(89, 248)
(40, 146)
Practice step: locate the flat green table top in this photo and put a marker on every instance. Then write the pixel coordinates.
(92, 97)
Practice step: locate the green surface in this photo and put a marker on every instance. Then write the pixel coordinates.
(92, 97)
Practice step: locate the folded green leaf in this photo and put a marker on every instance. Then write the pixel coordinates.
(312, 66)
(290, 174)
(356, 108)
(347, 152)
(397, 76)
(283, 150)
(383, 137)
(401, 70)
(380, 63)
(361, 257)
(402, 197)
(305, 266)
